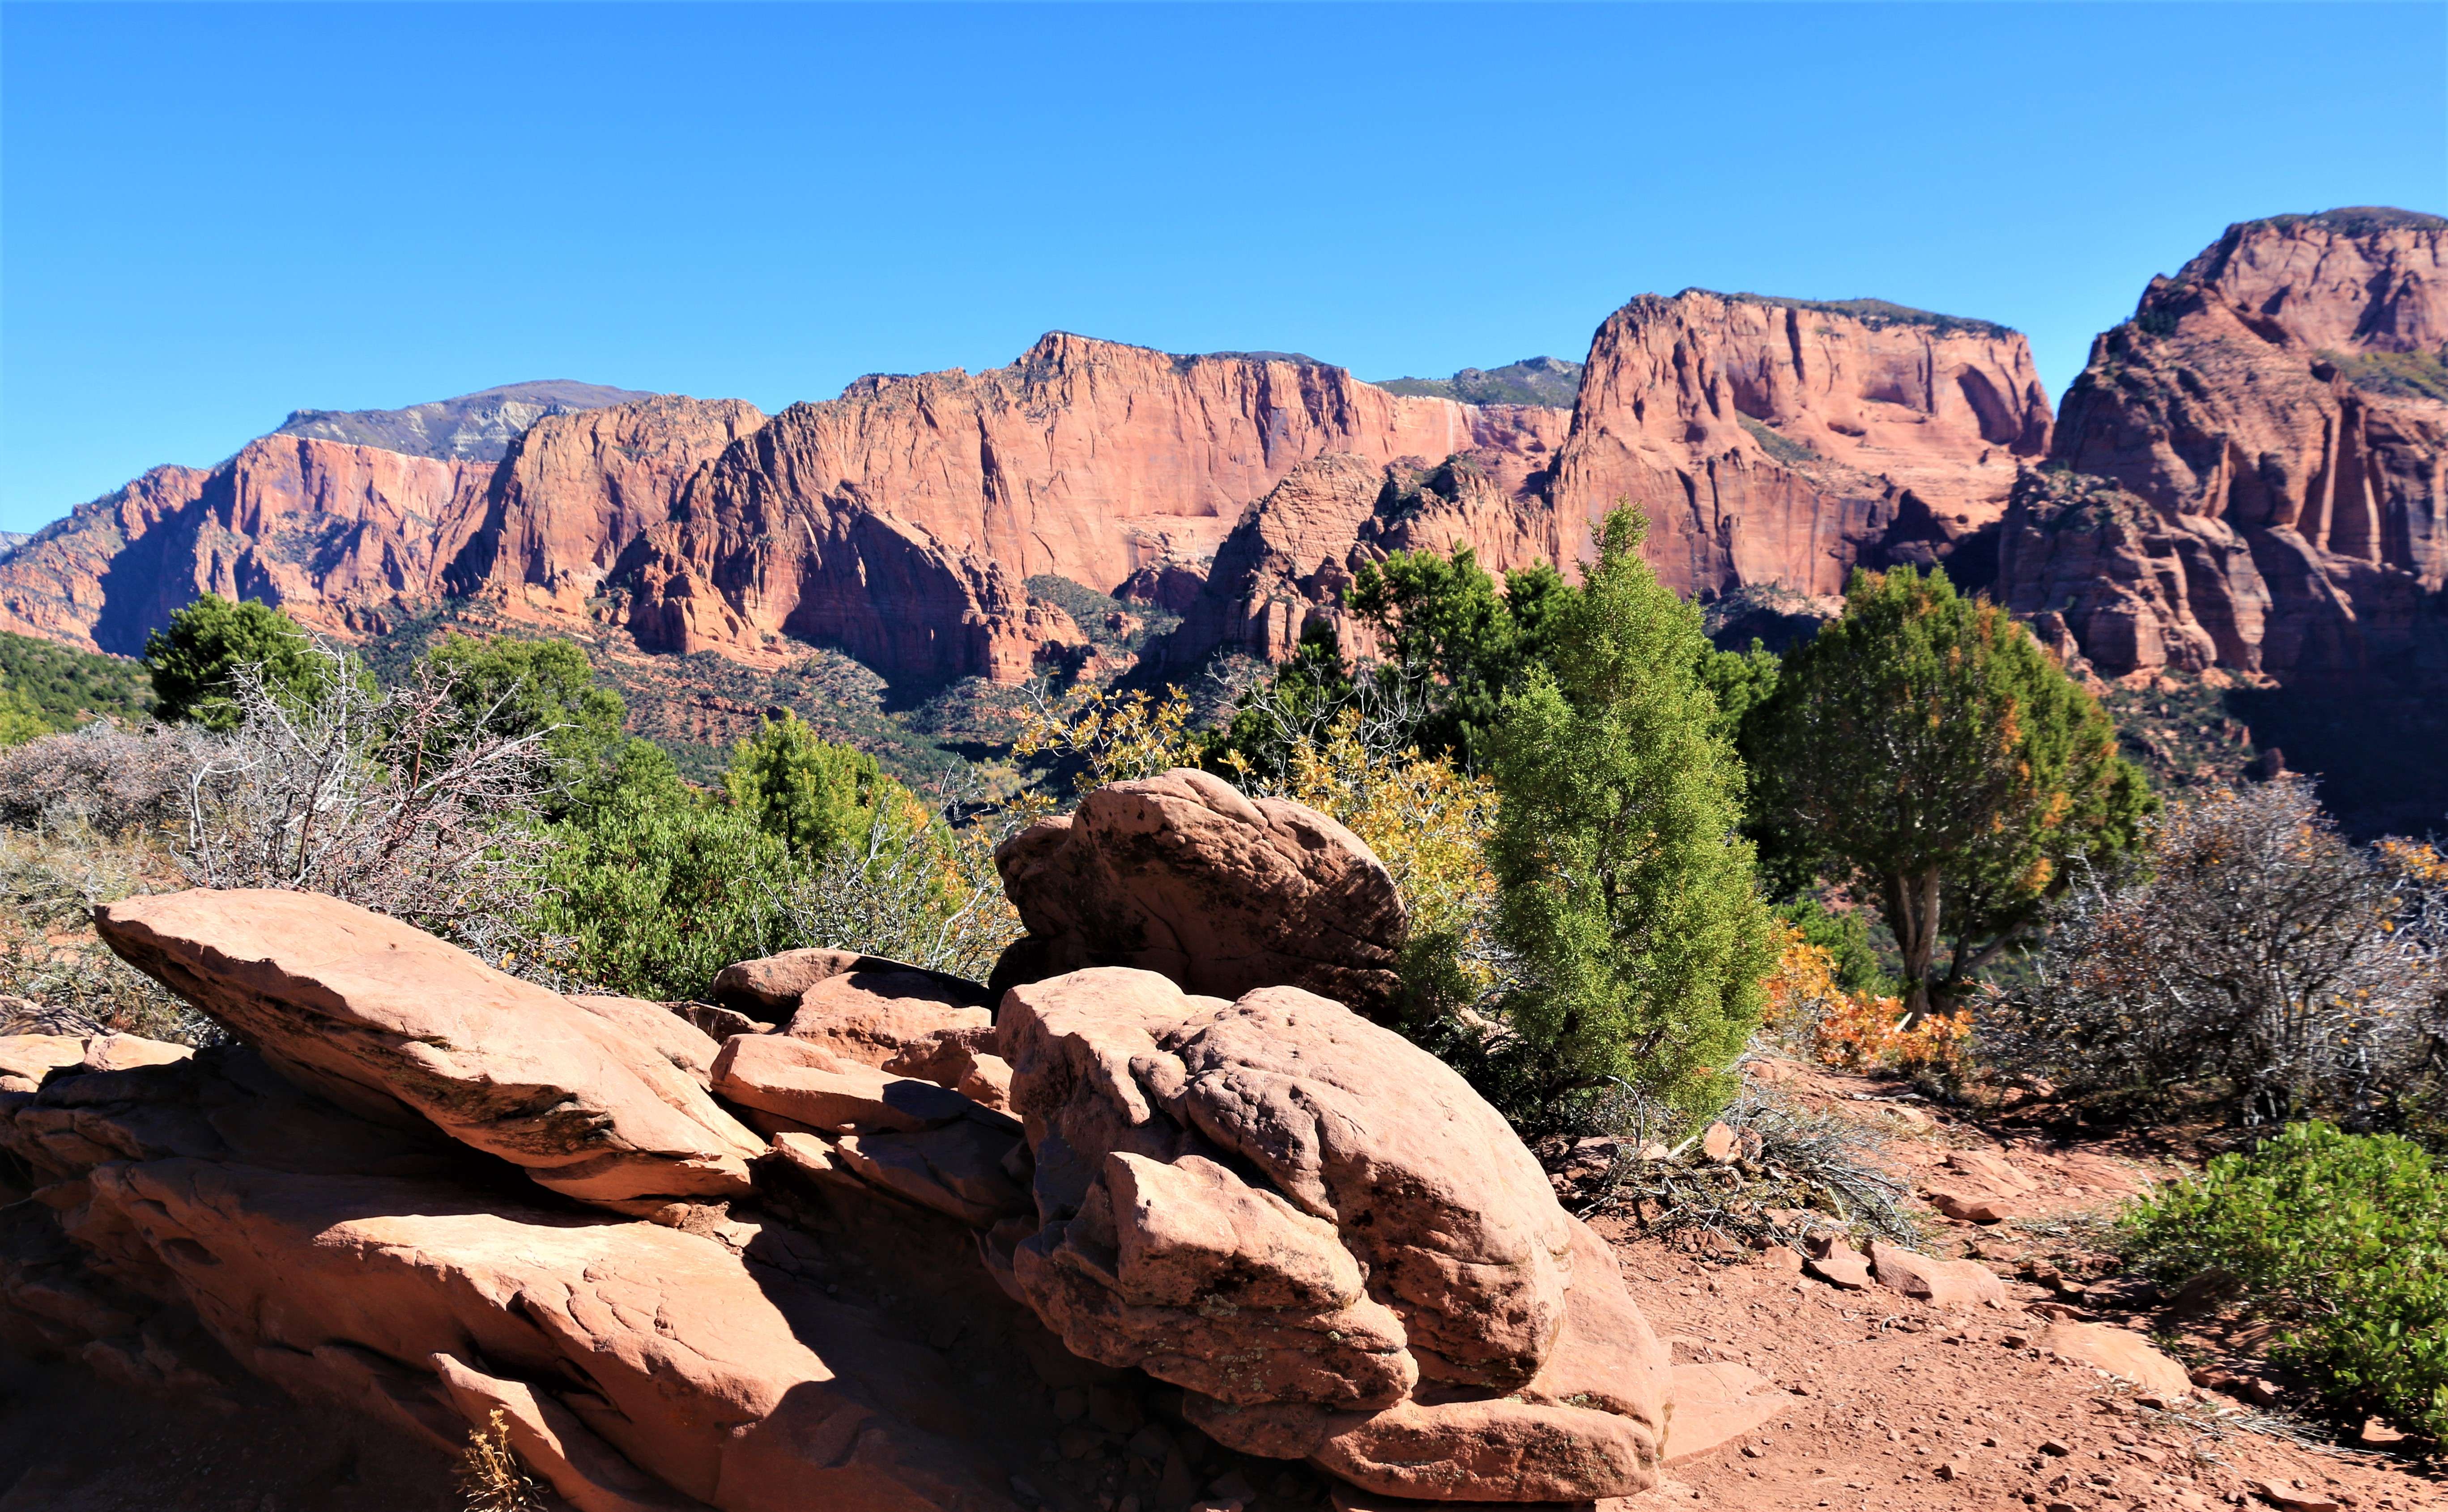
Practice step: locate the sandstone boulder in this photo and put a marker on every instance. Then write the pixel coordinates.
(399, 1027)
(2118, 1352)
(729, 1383)
(810, 1088)
(1301, 1217)
(1182, 875)
(26, 1059)
(1947, 1283)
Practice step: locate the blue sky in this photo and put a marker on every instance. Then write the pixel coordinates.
(211, 216)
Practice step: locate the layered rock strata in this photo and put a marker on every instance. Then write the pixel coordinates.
(2256, 465)
(1783, 442)
(400, 1029)
(901, 520)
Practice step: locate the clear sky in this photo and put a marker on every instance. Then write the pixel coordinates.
(210, 217)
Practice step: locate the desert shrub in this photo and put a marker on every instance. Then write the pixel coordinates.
(113, 780)
(490, 1477)
(2263, 962)
(1789, 1160)
(2341, 1237)
(1815, 1014)
(511, 688)
(358, 793)
(815, 794)
(63, 978)
(1626, 893)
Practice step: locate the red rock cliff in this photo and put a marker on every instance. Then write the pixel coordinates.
(2276, 414)
(900, 520)
(1783, 441)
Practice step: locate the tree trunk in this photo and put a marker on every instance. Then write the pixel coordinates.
(1912, 914)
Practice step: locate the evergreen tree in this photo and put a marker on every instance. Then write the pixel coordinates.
(195, 660)
(1626, 889)
(1926, 746)
(511, 687)
(1460, 645)
(811, 793)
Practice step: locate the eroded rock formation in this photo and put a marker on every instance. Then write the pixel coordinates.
(1779, 441)
(2252, 472)
(392, 1197)
(1183, 875)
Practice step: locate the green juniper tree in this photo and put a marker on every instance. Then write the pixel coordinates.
(195, 659)
(1627, 889)
(1926, 746)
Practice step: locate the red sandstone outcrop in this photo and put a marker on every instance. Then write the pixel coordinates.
(1287, 563)
(576, 489)
(1298, 1217)
(399, 1027)
(1782, 442)
(900, 520)
(1183, 875)
(2261, 456)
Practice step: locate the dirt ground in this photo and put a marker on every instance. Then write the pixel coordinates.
(1894, 1403)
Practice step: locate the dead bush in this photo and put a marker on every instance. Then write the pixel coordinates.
(2262, 963)
(395, 802)
(104, 778)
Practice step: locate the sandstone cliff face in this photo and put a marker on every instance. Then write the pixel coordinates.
(334, 533)
(345, 536)
(576, 489)
(471, 427)
(900, 520)
(1783, 441)
(1293, 553)
(2280, 408)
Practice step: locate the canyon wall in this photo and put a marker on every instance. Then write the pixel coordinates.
(901, 520)
(1783, 442)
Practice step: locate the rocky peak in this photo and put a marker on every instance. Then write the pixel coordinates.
(473, 427)
(1783, 441)
(1550, 381)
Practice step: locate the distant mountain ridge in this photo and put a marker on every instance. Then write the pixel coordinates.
(1549, 381)
(471, 427)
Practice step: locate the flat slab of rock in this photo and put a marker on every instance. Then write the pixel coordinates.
(2118, 1352)
(395, 1025)
(26, 1059)
(729, 1384)
(810, 1086)
(689, 1049)
(772, 988)
(1716, 1403)
(1947, 1283)
(1183, 875)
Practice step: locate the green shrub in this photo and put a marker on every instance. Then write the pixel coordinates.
(2344, 1238)
(66, 686)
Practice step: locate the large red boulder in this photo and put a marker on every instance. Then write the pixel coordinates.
(1182, 875)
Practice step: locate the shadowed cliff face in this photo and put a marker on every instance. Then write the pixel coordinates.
(2276, 419)
(1784, 441)
(900, 520)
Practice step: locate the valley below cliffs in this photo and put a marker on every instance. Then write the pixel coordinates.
(2245, 485)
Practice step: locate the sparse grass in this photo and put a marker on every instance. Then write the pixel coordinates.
(490, 1477)
(2397, 374)
(1790, 1158)
(1778, 445)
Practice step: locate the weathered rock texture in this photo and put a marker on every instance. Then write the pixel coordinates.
(400, 1029)
(473, 427)
(2252, 472)
(1287, 564)
(1299, 1218)
(1183, 875)
(1783, 441)
(346, 536)
(900, 520)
